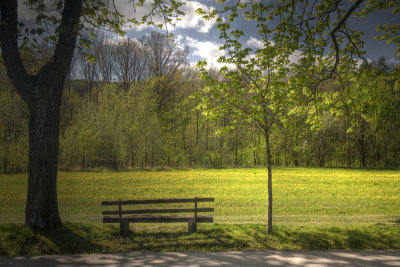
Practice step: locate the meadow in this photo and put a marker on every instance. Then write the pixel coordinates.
(336, 208)
(302, 196)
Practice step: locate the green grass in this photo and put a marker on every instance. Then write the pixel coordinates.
(314, 208)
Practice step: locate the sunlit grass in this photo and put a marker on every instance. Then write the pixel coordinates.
(313, 209)
(302, 196)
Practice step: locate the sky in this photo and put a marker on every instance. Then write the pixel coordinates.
(203, 41)
(202, 37)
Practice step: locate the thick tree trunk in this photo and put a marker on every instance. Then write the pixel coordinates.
(41, 203)
(42, 93)
(269, 212)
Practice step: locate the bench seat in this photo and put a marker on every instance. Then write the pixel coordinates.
(152, 215)
(157, 218)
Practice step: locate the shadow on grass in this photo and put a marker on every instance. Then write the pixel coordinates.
(17, 239)
(76, 238)
(210, 239)
(73, 238)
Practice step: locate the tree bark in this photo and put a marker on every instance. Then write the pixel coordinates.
(41, 204)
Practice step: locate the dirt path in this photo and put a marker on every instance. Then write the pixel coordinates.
(237, 258)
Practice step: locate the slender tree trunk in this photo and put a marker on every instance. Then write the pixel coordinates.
(269, 213)
(132, 157)
(236, 149)
(348, 154)
(197, 127)
(6, 160)
(286, 161)
(83, 162)
(41, 203)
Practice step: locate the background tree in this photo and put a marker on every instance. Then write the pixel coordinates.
(129, 62)
(164, 56)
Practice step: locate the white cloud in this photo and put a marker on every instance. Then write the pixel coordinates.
(129, 11)
(193, 21)
(255, 43)
(207, 50)
(295, 56)
(189, 21)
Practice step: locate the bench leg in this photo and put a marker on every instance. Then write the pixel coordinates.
(191, 226)
(124, 228)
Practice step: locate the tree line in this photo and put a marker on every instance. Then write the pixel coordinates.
(138, 104)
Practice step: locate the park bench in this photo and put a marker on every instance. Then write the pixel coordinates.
(147, 215)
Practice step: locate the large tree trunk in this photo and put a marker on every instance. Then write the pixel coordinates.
(269, 212)
(41, 203)
(42, 93)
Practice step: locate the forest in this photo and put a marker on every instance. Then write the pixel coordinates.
(138, 104)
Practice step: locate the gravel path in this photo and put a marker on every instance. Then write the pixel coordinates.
(236, 258)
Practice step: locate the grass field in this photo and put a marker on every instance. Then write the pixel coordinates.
(341, 208)
(302, 196)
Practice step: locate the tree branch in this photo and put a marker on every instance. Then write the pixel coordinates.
(337, 28)
(68, 30)
(9, 48)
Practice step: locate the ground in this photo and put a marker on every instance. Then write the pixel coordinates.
(314, 208)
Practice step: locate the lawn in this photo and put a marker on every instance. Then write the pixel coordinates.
(314, 208)
(302, 196)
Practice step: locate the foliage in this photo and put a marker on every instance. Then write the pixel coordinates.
(13, 133)
(331, 132)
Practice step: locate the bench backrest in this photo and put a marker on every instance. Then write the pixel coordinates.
(121, 212)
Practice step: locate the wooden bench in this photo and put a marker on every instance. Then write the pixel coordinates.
(125, 216)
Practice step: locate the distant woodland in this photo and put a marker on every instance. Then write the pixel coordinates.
(137, 104)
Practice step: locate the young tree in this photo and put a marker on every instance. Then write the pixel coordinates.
(42, 92)
(255, 90)
(313, 33)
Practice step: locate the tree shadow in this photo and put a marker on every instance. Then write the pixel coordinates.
(72, 238)
(76, 238)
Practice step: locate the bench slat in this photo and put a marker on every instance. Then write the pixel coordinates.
(153, 201)
(146, 211)
(156, 218)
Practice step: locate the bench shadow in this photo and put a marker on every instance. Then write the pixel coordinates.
(213, 239)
